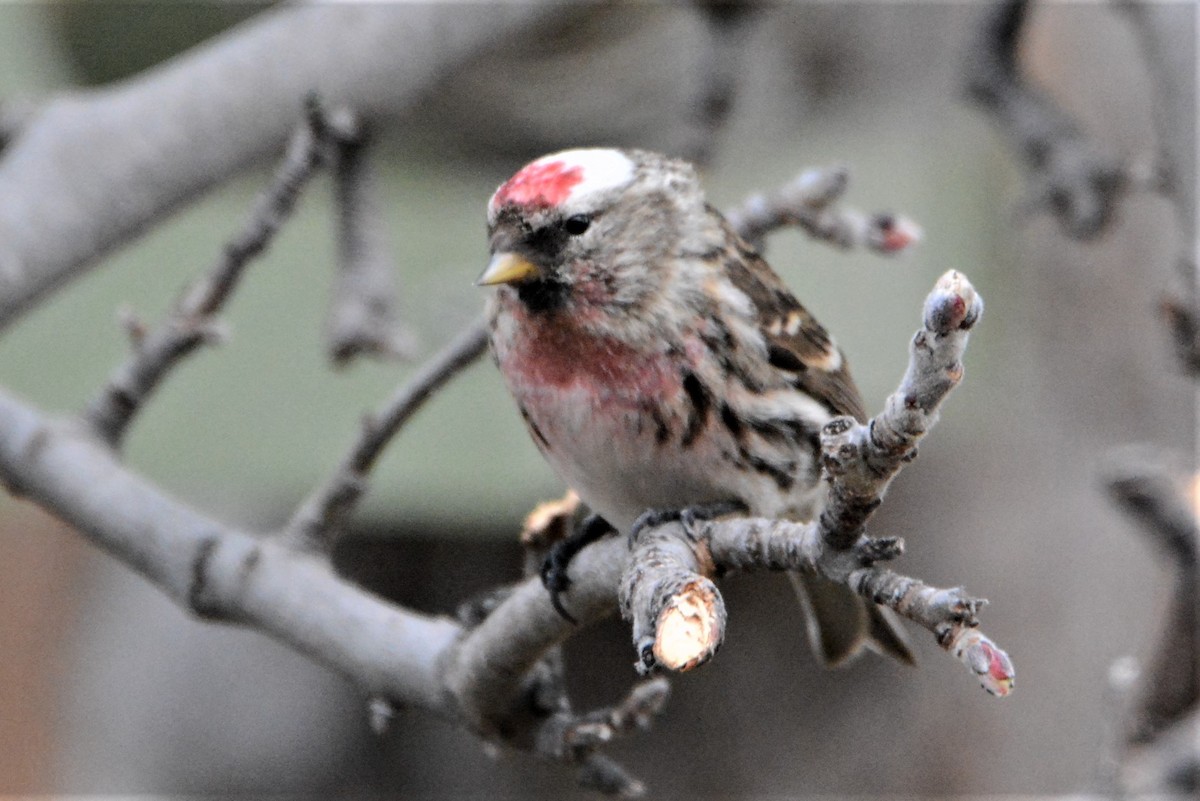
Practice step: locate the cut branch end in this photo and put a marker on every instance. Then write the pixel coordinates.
(690, 627)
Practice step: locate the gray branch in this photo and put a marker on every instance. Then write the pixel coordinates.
(1167, 40)
(1067, 175)
(484, 677)
(861, 460)
(811, 202)
(1151, 493)
(319, 520)
(75, 183)
(217, 572)
(363, 318)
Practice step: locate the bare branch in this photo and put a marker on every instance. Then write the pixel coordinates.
(217, 572)
(363, 319)
(204, 116)
(861, 461)
(572, 738)
(395, 656)
(318, 521)
(488, 669)
(1149, 492)
(1165, 35)
(191, 322)
(810, 202)
(1067, 176)
(677, 613)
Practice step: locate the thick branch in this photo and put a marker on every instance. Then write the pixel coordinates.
(1067, 176)
(484, 678)
(490, 665)
(218, 572)
(75, 184)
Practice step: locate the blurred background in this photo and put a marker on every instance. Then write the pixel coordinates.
(105, 687)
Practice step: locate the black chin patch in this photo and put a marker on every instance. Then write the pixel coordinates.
(542, 295)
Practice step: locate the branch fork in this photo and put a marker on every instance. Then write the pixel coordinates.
(811, 202)
(677, 614)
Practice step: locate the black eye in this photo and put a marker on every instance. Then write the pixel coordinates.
(576, 224)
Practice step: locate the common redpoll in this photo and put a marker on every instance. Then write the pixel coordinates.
(661, 365)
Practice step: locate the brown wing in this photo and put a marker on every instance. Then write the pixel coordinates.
(796, 342)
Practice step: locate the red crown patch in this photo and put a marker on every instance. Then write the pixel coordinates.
(540, 184)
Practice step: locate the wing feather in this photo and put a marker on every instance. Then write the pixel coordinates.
(797, 344)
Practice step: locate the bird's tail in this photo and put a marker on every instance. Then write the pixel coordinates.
(840, 624)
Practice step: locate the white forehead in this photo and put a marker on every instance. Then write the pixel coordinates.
(603, 169)
(566, 179)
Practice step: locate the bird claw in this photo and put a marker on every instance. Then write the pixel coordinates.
(555, 579)
(554, 567)
(688, 517)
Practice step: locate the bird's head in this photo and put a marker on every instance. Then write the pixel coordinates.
(591, 225)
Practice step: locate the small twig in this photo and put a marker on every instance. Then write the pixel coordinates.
(1078, 185)
(191, 322)
(577, 738)
(363, 319)
(318, 521)
(810, 202)
(861, 460)
(677, 613)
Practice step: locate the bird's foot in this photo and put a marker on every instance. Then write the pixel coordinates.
(688, 516)
(554, 566)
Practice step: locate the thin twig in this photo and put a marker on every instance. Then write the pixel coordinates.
(318, 521)
(192, 320)
(861, 460)
(1078, 185)
(576, 738)
(363, 319)
(950, 614)
(811, 202)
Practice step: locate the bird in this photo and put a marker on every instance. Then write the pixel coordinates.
(662, 368)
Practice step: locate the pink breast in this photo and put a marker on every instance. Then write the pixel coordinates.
(551, 353)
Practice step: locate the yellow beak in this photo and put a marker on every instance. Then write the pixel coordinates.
(507, 268)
